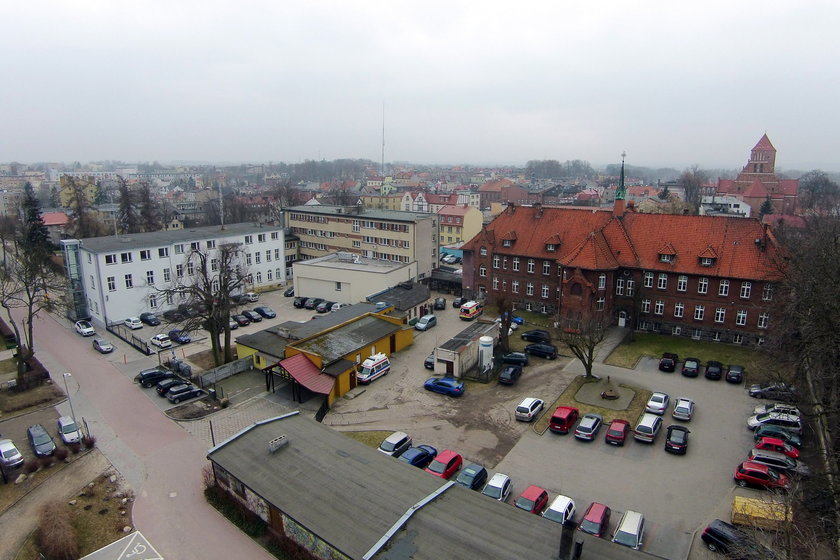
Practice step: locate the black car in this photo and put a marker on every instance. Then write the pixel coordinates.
(163, 387)
(324, 306)
(473, 476)
(668, 362)
(429, 362)
(289, 292)
(676, 440)
(253, 316)
(266, 312)
(691, 367)
(40, 440)
(149, 377)
(778, 432)
(537, 335)
(312, 303)
(173, 316)
(182, 392)
(547, 351)
(150, 319)
(241, 320)
(724, 538)
(510, 375)
(515, 358)
(179, 336)
(735, 374)
(299, 302)
(459, 301)
(440, 303)
(774, 391)
(714, 370)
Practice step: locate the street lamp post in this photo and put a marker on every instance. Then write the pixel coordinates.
(69, 400)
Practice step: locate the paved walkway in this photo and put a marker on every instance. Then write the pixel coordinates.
(232, 420)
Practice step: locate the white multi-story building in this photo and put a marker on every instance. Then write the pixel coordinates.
(112, 278)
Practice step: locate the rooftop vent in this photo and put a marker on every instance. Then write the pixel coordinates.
(277, 443)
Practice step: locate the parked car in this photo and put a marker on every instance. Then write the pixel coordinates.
(791, 423)
(440, 303)
(714, 370)
(102, 346)
(179, 336)
(498, 487)
(537, 335)
(563, 419)
(587, 428)
(683, 409)
(676, 439)
(510, 374)
(458, 302)
(561, 510)
(787, 436)
(68, 430)
(250, 297)
(266, 312)
(10, 456)
(779, 461)
(40, 440)
(419, 456)
(595, 520)
(312, 303)
(735, 374)
(547, 351)
(84, 328)
(516, 358)
(617, 432)
(781, 408)
(182, 393)
(766, 443)
(299, 302)
(668, 362)
(630, 530)
(241, 320)
(173, 316)
(473, 477)
(161, 341)
(325, 306)
(396, 444)
(429, 362)
(162, 387)
(252, 316)
(425, 322)
(149, 377)
(724, 538)
(445, 464)
(445, 386)
(133, 323)
(648, 428)
(774, 391)
(754, 474)
(289, 292)
(232, 325)
(150, 319)
(529, 409)
(533, 499)
(336, 306)
(658, 403)
(691, 367)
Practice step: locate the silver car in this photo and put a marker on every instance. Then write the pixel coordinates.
(68, 430)
(683, 409)
(658, 403)
(10, 457)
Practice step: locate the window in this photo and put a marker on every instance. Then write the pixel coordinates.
(696, 334)
(544, 291)
(90, 258)
(357, 225)
(529, 288)
(179, 249)
(179, 270)
(495, 283)
(602, 281)
(741, 317)
(125, 258)
(516, 264)
(716, 336)
(275, 235)
(258, 277)
(530, 266)
(676, 330)
(504, 263)
(153, 301)
(194, 246)
(145, 255)
(648, 279)
(168, 299)
(514, 286)
(190, 268)
(738, 339)
(483, 251)
(720, 315)
(248, 259)
(763, 320)
(337, 285)
(746, 289)
(482, 271)
(268, 256)
(163, 252)
(599, 303)
(631, 285)
(277, 251)
(92, 283)
(551, 247)
(546, 267)
(699, 312)
(211, 244)
(496, 261)
(662, 281)
(129, 282)
(167, 275)
(665, 258)
(723, 288)
(679, 310)
(110, 259)
(506, 243)
(645, 306)
(150, 277)
(767, 292)
(706, 261)
(257, 257)
(268, 274)
(659, 307)
(703, 286)
(261, 238)
(682, 283)
(112, 283)
(249, 239)
(619, 287)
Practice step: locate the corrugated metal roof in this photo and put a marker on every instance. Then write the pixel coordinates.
(307, 374)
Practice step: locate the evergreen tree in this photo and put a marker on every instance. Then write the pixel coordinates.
(127, 215)
(766, 207)
(664, 194)
(35, 235)
(149, 209)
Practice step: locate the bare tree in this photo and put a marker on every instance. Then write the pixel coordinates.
(818, 192)
(149, 208)
(582, 334)
(83, 223)
(505, 306)
(691, 180)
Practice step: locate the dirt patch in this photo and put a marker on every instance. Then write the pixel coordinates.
(195, 409)
(16, 403)
(204, 359)
(370, 438)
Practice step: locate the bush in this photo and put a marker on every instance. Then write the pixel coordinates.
(285, 548)
(46, 461)
(31, 466)
(250, 523)
(55, 535)
(75, 447)
(61, 453)
(89, 442)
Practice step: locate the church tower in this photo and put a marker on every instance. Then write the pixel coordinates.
(762, 158)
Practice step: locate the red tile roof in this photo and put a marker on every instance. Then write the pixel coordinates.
(55, 219)
(495, 186)
(755, 190)
(764, 144)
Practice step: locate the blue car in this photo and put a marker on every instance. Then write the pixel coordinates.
(419, 456)
(445, 386)
(266, 312)
(179, 336)
(517, 320)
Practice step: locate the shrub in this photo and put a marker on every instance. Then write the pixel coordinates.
(31, 466)
(250, 523)
(283, 547)
(207, 478)
(46, 461)
(55, 535)
(61, 453)
(75, 448)
(89, 442)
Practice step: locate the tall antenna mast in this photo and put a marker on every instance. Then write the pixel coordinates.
(382, 166)
(221, 205)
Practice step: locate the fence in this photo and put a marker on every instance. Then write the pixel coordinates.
(126, 334)
(224, 371)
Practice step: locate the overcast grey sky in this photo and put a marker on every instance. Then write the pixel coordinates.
(671, 82)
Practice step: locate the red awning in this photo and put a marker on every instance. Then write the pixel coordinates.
(307, 374)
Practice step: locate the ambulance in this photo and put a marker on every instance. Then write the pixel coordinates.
(373, 367)
(471, 310)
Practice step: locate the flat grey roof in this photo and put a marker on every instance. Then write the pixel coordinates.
(168, 237)
(364, 264)
(345, 340)
(266, 341)
(473, 332)
(371, 213)
(402, 298)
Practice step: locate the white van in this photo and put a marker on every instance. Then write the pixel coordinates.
(373, 367)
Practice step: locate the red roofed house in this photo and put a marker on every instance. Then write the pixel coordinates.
(758, 180)
(55, 222)
(708, 277)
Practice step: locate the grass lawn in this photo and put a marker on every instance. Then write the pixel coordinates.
(567, 398)
(647, 344)
(38, 397)
(370, 438)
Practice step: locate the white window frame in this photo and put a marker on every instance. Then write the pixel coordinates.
(699, 312)
(746, 290)
(645, 306)
(720, 314)
(723, 288)
(662, 281)
(763, 320)
(648, 279)
(659, 307)
(682, 283)
(679, 310)
(703, 286)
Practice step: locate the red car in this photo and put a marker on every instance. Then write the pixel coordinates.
(760, 475)
(533, 499)
(445, 464)
(617, 432)
(563, 419)
(775, 444)
(596, 520)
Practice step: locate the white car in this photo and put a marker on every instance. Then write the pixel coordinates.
(658, 403)
(498, 487)
(683, 409)
(529, 409)
(84, 328)
(68, 430)
(561, 510)
(133, 323)
(777, 407)
(10, 456)
(161, 341)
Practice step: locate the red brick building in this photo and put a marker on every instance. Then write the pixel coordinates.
(707, 277)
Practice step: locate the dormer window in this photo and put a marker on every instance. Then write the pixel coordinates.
(551, 247)
(666, 258)
(707, 261)
(507, 243)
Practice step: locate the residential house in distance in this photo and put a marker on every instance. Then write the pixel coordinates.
(459, 224)
(382, 201)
